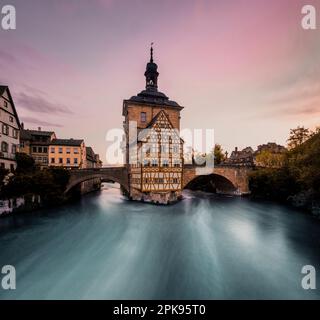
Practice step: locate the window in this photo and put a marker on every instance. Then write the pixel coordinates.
(75, 150)
(52, 150)
(45, 149)
(60, 149)
(68, 160)
(4, 146)
(75, 160)
(15, 133)
(22, 144)
(175, 149)
(60, 160)
(176, 163)
(68, 150)
(154, 163)
(5, 129)
(39, 149)
(165, 163)
(146, 163)
(45, 160)
(143, 116)
(52, 160)
(14, 149)
(11, 119)
(163, 148)
(5, 103)
(175, 180)
(34, 149)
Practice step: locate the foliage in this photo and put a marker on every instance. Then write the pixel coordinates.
(299, 173)
(270, 160)
(49, 184)
(218, 154)
(25, 163)
(277, 184)
(3, 173)
(297, 137)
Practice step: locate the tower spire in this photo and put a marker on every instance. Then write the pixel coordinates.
(151, 73)
(151, 52)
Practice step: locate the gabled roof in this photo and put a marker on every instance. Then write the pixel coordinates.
(2, 90)
(67, 142)
(90, 154)
(154, 121)
(27, 134)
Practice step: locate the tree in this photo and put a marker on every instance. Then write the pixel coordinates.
(218, 154)
(25, 163)
(298, 136)
(269, 159)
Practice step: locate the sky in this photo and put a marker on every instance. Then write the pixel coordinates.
(245, 68)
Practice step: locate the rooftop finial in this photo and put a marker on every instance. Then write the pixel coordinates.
(151, 52)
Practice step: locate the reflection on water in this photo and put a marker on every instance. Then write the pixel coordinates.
(205, 247)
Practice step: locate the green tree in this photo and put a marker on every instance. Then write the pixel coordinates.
(218, 154)
(269, 159)
(25, 163)
(297, 137)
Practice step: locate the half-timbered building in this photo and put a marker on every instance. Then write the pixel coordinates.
(154, 149)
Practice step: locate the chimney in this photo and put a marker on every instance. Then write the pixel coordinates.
(39, 128)
(22, 125)
(236, 149)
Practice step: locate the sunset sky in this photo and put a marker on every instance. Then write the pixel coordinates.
(243, 67)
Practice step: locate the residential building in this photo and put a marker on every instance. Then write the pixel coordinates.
(271, 147)
(36, 144)
(92, 159)
(243, 157)
(155, 164)
(10, 130)
(68, 153)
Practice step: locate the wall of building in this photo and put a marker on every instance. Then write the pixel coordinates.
(8, 118)
(134, 112)
(67, 152)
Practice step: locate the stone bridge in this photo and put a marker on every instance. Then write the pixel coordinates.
(227, 178)
(234, 178)
(114, 174)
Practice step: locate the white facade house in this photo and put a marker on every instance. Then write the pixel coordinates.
(9, 130)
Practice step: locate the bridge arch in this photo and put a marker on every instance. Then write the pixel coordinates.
(116, 174)
(212, 182)
(234, 179)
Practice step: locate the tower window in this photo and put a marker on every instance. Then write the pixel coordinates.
(143, 116)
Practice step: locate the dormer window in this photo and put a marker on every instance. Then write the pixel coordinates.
(5, 104)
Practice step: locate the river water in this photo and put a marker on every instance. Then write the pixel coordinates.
(204, 247)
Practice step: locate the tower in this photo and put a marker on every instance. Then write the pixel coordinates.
(154, 149)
